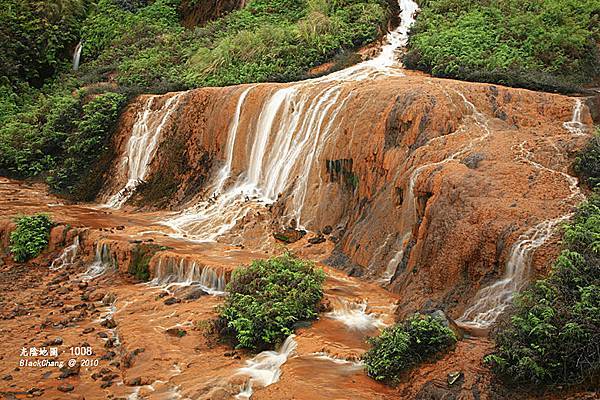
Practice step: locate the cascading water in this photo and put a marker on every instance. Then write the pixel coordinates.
(103, 261)
(354, 315)
(142, 144)
(492, 300)
(575, 125)
(67, 256)
(77, 56)
(172, 272)
(293, 126)
(265, 368)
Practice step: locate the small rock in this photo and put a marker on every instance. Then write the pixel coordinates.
(327, 230)
(66, 388)
(134, 382)
(195, 294)
(102, 335)
(53, 342)
(176, 332)
(88, 330)
(7, 377)
(317, 239)
(109, 323)
(171, 301)
(66, 371)
(97, 296)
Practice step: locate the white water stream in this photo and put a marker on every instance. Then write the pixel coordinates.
(142, 145)
(491, 301)
(289, 135)
(77, 56)
(67, 257)
(265, 368)
(102, 262)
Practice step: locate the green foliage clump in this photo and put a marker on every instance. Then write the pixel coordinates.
(36, 37)
(587, 163)
(58, 135)
(267, 40)
(30, 237)
(553, 332)
(267, 298)
(140, 260)
(541, 44)
(405, 345)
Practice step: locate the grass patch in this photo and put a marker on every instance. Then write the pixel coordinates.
(539, 44)
(267, 299)
(405, 345)
(31, 236)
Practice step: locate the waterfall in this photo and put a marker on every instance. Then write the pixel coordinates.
(354, 315)
(265, 368)
(142, 145)
(575, 126)
(173, 272)
(409, 207)
(77, 55)
(492, 300)
(103, 261)
(67, 256)
(294, 124)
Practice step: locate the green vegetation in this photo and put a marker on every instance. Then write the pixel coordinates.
(58, 136)
(140, 260)
(553, 332)
(541, 44)
(55, 123)
(30, 237)
(266, 300)
(587, 164)
(405, 345)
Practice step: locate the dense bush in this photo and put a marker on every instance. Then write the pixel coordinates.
(267, 40)
(405, 345)
(587, 163)
(553, 333)
(30, 237)
(534, 43)
(266, 299)
(60, 136)
(36, 37)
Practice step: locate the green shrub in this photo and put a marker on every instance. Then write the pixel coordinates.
(587, 163)
(140, 260)
(534, 43)
(266, 299)
(36, 36)
(405, 345)
(552, 335)
(30, 237)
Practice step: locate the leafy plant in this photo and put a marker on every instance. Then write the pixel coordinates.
(30, 237)
(552, 335)
(540, 44)
(266, 299)
(587, 163)
(405, 345)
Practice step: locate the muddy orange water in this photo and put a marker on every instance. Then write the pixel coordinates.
(160, 351)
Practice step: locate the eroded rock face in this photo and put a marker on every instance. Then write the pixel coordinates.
(428, 183)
